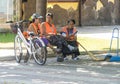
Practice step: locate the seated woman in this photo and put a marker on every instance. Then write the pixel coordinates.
(35, 28)
(49, 31)
(69, 32)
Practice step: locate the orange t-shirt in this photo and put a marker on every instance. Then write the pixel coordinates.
(50, 29)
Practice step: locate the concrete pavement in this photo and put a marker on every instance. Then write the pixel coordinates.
(83, 71)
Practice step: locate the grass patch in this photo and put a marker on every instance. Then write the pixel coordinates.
(91, 44)
(7, 37)
(96, 44)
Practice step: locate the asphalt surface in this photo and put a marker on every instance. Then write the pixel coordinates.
(84, 71)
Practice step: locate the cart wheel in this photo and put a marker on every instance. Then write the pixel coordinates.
(40, 56)
(107, 58)
(18, 49)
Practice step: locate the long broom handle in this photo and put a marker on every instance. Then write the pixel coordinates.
(90, 54)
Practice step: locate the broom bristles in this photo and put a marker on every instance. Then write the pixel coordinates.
(91, 54)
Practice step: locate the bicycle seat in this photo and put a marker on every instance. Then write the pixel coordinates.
(9, 22)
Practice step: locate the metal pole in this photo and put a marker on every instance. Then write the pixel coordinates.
(118, 44)
(12, 11)
(7, 10)
(23, 11)
(16, 10)
(79, 8)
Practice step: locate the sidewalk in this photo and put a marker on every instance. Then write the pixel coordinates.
(6, 54)
(101, 32)
(6, 51)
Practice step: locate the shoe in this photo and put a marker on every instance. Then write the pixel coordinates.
(66, 58)
(75, 58)
(72, 48)
(60, 59)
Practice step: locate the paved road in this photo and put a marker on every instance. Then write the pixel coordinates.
(84, 71)
(102, 32)
(96, 29)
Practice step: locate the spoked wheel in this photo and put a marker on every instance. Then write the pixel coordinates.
(18, 49)
(40, 55)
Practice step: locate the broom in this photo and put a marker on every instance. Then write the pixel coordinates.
(91, 54)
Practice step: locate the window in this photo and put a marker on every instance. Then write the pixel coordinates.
(6, 10)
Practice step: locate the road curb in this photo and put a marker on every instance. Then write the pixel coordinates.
(11, 57)
(7, 58)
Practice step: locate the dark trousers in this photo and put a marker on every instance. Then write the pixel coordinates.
(59, 41)
(66, 51)
(62, 44)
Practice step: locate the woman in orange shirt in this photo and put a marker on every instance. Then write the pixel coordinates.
(35, 28)
(49, 31)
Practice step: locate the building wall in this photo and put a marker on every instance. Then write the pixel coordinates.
(63, 11)
(6, 10)
(93, 12)
(100, 12)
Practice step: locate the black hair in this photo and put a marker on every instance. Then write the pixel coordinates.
(71, 20)
(33, 20)
(50, 14)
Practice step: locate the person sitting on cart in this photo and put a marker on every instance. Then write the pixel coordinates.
(35, 28)
(69, 32)
(48, 30)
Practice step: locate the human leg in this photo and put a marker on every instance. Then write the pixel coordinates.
(76, 52)
(60, 42)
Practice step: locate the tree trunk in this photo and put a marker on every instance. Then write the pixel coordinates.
(41, 6)
(116, 11)
(79, 8)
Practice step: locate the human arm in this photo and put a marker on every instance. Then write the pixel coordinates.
(73, 36)
(31, 29)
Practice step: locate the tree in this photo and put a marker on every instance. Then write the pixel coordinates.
(80, 3)
(116, 11)
(41, 6)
